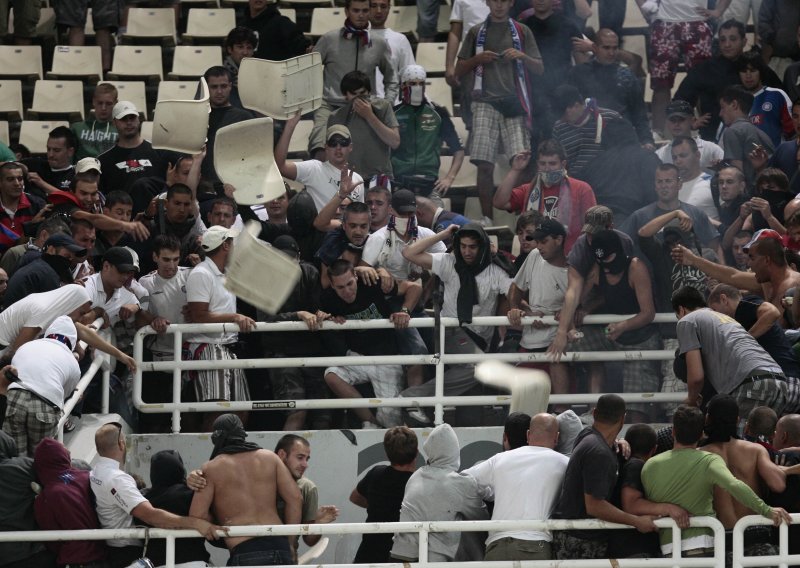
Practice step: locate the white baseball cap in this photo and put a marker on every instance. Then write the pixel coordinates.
(123, 109)
(215, 236)
(87, 165)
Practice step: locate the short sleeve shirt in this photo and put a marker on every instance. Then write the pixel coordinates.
(546, 285)
(165, 298)
(322, 181)
(110, 305)
(206, 284)
(116, 495)
(469, 13)
(382, 251)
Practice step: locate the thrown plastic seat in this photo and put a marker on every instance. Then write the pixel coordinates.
(21, 61)
(11, 99)
(530, 388)
(182, 125)
(243, 158)
(136, 62)
(147, 130)
(77, 62)
(294, 85)
(192, 61)
(57, 100)
(33, 134)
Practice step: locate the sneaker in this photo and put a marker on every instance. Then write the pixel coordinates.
(369, 426)
(419, 415)
(70, 424)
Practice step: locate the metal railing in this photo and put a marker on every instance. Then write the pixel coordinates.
(783, 558)
(439, 360)
(423, 529)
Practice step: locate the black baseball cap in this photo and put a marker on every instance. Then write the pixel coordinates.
(62, 240)
(679, 108)
(287, 244)
(404, 201)
(549, 228)
(120, 258)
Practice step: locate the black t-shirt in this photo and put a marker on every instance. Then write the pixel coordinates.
(554, 38)
(123, 166)
(626, 543)
(60, 179)
(370, 303)
(592, 469)
(384, 488)
(773, 340)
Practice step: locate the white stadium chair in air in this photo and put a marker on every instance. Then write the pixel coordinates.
(294, 85)
(182, 125)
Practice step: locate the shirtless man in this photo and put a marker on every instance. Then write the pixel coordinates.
(748, 462)
(770, 276)
(243, 482)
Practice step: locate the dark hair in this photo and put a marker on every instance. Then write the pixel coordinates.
(4, 168)
(528, 218)
(54, 226)
(355, 207)
(722, 418)
(287, 442)
(563, 97)
(610, 409)
(380, 189)
(731, 291)
(737, 94)
(551, 147)
(745, 234)
(65, 133)
(348, 2)
(668, 168)
(118, 196)
(76, 224)
(241, 34)
(687, 297)
(400, 444)
(752, 59)
(739, 173)
(86, 177)
(353, 81)
(516, 429)
(775, 176)
(224, 200)
(165, 242)
(178, 188)
(771, 249)
(340, 266)
(642, 439)
(731, 23)
(678, 140)
(217, 71)
(762, 422)
(20, 149)
(687, 424)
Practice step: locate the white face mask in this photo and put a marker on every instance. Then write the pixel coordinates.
(417, 95)
(401, 225)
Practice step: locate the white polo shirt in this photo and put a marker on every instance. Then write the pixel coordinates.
(111, 305)
(207, 284)
(116, 495)
(380, 253)
(165, 298)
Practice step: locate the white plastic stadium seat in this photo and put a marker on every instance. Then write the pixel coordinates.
(11, 99)
(33, 134)
(205, 25)
(150, 25)
(133, 91)
(57, 99)
(136, 61)
(194, 60)
(23, 61)
(81, 62)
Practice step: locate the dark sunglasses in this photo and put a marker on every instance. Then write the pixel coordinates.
(339, 142)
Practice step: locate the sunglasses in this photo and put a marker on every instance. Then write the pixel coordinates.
(339, 143)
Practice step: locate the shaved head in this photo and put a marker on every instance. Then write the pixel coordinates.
(543, 430)
(107, 437)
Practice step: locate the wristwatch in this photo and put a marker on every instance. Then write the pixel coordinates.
(405, 310)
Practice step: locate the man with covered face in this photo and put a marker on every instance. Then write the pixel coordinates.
(620, 284)
(473, 284)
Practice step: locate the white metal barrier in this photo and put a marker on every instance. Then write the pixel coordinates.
(423, 529)
(782, 560)
(439, 360)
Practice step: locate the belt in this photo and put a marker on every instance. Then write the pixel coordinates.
(760, 376)
(43, 399)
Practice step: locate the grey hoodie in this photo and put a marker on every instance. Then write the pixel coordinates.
(437, 492)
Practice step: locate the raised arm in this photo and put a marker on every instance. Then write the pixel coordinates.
(417, 251)
(326, 219)
(725, 274)
(767, 315)
(502, 197)
(655, 225)
(288, 169)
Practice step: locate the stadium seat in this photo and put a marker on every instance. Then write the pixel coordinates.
(194, 60)
(136, 62)
(4, 137)
(11, 99)
(147, 130)
(233, 3)
(207, 26)
(133, 91)
(176, 90)
(437, 90)
(299, 142)
(308, 3)
(290, 13)
(447, 203)
(33, 134)
(200, 3)
(402, 19)
(21, 61)
(150, 25)
(461, 130)
(467, 175)
(57, 100)
(82, 62)
(326, 19)
(431, 56)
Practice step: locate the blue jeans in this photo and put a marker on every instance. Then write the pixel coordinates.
(262, 551)
(427, 18)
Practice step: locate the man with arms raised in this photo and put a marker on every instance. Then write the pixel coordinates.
(243, 483)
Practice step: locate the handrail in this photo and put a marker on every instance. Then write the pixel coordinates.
(98, 361)
(423, 529)
(439, 360)
(783, 559)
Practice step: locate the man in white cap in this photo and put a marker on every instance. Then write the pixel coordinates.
(210, 302)
(132, 157)
(424, 125)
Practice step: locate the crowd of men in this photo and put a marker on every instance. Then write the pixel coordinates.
(690, 209)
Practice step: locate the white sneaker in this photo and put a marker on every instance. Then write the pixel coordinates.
(419, 415)
(369, 426)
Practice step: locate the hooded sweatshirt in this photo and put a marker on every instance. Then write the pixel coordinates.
(16, 501)
(65, 503)
(437, 492)
(169, 492)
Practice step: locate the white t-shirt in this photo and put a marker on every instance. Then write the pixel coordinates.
(401, 57)
(503, 475)
(492, 282)
(112, 305)
(680, 10)
(380, 253)
(166, 299)
(115, 496)
(48, 368)
(40, 310)
(546, 285)
(322, 181)
(697, 192)
(470, 13)
(710, 153)
(206, 283)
